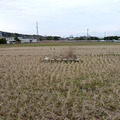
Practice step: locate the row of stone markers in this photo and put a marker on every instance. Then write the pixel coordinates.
(47, 59)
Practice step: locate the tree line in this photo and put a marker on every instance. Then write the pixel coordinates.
(87, 38)
(111, 38)
(3, 40)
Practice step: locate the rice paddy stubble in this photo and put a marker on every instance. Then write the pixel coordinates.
(33, 89)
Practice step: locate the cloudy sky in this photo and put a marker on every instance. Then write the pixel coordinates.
(61, 17)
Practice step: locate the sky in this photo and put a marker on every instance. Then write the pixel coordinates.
(61, 17)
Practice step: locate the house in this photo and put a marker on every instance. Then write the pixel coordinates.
(101, 40)
(27, 40)
(71, 37)
(1, 35)
(10, 40)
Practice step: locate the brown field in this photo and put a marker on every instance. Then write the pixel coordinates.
(31, 89)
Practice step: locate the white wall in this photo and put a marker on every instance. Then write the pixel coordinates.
(27, 40)
(10, 40)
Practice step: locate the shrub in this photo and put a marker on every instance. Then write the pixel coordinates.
(71, 53)
(17, 40)
(3, 41)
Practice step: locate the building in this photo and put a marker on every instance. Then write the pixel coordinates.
(10, 40)
(27, 40)
(71, 37)
(1, 35)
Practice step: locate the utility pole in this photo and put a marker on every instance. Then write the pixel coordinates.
(87, 33)
(37, 30)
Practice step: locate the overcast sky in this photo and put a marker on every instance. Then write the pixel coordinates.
(61, 17)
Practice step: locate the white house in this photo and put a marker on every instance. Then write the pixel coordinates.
(27, 40)
(10, 40)
(71, 37)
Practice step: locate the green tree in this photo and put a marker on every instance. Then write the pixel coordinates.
(93, 38)
(49, 38)
(56, 38)
(17, 40)
(41, 39)
(3, 41)
(111, 38)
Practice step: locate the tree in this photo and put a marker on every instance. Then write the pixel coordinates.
(93, 38)
(41, 39)
(56, 38)
(111, 38)
(49, 38)
(17, 40)
(3, 41)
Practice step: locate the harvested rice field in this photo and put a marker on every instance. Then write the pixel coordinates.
(33, 89)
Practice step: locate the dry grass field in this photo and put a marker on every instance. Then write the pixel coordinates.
(31, 89)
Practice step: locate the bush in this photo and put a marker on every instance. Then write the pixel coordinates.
(70, 54)
(3, 41)
(17, 40)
